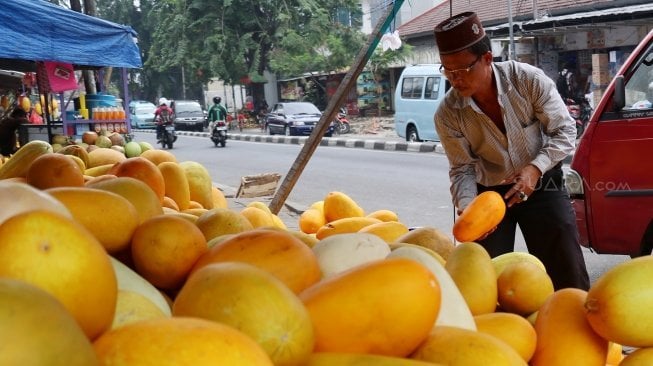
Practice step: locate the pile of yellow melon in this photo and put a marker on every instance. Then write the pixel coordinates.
(144, 263)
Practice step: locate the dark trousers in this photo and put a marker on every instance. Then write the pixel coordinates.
(548, 223)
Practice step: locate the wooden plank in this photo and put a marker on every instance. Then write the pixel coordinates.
(258, 185)
(334, 105)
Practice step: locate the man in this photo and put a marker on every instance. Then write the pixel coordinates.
(8, 128)
(162, 116)
(216, 113)
(505, 128)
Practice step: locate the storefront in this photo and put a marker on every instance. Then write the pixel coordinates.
(48, 42)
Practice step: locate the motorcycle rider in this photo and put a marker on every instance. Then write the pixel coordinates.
(216, 113)
(162, 116)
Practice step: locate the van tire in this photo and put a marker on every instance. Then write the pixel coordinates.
(412, 135)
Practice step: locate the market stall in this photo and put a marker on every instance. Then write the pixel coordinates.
(49, 41)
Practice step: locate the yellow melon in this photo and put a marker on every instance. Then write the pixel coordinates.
(16, 198)
(221, 221)
(386, 307)
(471, 268)
(345, 225)
(453, 346)
(523, 287)
(389, 231)
(513, 329)
(37, 330)
(338, 205)
(429, 237)
(253, 301)
(351, 359)
(564, 335)
(311, 220)
(276, 251)
(178, 341)
(145, 200)
(617, 303)
(501, 261)
(199, 183)
(132, 307)
(88, 204)
(640, 357)
(60, 256)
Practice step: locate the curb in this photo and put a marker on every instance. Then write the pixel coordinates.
(361, 143)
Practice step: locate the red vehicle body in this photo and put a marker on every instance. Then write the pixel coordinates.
(611, 175)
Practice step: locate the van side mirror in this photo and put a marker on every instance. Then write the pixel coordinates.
(619, 97)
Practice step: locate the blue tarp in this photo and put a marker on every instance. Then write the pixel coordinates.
(37, 30)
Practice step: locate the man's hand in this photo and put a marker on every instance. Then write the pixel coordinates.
(525, 183)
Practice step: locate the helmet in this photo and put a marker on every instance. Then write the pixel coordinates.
(163, 101)
(217, 100)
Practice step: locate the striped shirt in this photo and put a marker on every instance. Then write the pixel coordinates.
(539, 131)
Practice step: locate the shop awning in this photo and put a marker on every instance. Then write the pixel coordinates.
(548, 24)
(36, 30)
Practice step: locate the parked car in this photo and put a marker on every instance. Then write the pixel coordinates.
(189, 115)
(294, 119)
(419, 91)
(141, 114)
(610, 180)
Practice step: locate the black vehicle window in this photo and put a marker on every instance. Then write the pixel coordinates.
(432, 89)
(411, 87)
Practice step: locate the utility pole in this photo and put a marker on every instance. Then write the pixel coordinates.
(183, 82)
(511, 49)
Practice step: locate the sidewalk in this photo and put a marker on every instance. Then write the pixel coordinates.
(366, 141)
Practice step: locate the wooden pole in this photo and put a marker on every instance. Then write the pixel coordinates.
(329, 115)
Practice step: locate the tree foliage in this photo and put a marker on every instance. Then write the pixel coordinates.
(235, 40)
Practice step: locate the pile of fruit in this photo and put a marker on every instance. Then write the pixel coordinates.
(109, 259)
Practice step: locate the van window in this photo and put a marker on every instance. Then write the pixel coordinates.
(639, 88)
(432, 90)
(411, 87)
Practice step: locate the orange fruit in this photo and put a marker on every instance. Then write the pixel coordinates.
(523, 287)
(119, 216)
(348, 316)
(178, 341)
(513, 329)
(60, 256)
(274, 250)
(54, 170)
(143, 170)
(165, 248)
(254, 302)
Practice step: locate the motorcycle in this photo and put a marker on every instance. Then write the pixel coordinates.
(167, 135)
(580, 110)
(219, 133)
(342, 123)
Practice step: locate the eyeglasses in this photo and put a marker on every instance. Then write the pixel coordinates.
(450, 74)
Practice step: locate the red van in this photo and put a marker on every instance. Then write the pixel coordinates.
(611, 175)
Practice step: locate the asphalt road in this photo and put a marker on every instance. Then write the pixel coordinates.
(414, 185)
